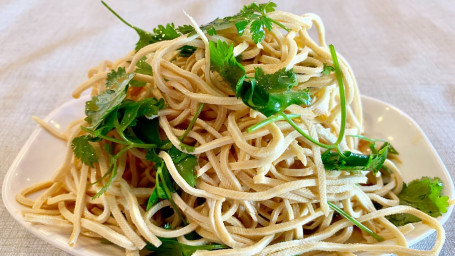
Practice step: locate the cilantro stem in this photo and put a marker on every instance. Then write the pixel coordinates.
(297, 128)
(85, 129)
(193, 121)
(342, 105)
(339, 75)
(270, 119)
(280, 25)
(118, 16)
(355, 222)
(123, 142)
(112, 171)
(169, 196)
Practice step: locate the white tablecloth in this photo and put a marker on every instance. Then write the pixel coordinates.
(403, 52)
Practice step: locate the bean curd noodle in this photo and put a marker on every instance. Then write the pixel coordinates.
(259, 193)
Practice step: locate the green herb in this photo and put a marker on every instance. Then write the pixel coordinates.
(355, 222)
(109, 111)
(186, 147)
(103, 104)
(165, 185)
(187, 50)
(270, 119)
(171, 247)
(272, 93)
(349, 161)
(327, 69)
(266, 93)
(184, 163)
(161, 33)
(372, 144)
(254, 14)
(112, 172)
(193, 121)
(83, 150)
(223, 61)
(339, 76)
(136, 83)
(142, 67)
(423, 194)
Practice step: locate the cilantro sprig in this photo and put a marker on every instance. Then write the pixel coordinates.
(254, 15)
(424, 194)
(349, 161)
(160, 33)
(110, 110)
(123, 119)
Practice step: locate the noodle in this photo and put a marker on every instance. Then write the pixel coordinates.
(259, 193)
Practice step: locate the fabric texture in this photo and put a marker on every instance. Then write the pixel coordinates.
(402, 52)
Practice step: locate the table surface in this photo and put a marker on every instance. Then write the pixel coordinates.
(402, 52)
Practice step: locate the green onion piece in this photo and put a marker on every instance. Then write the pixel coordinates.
(339, 75)
(270, 119)
(356, 222)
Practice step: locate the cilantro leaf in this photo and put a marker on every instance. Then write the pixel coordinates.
(402, 219)
(83, 150)
(167, 32)
(185, 29)
(153, 199)
(136, 83)
(423, 194)
(223, 61)
(258, 28)
(187, 50)
(186, 147)
(131, 110)
(147, 130)
(170, 246)
(115, 77)
(103, 104)
(184, 163)
(142, 67)
(272, 93)
(327, 69)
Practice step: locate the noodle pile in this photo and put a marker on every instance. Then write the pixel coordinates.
(259, 193)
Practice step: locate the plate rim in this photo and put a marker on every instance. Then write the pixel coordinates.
(74, 250)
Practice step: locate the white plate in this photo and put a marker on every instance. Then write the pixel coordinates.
(42, 154)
